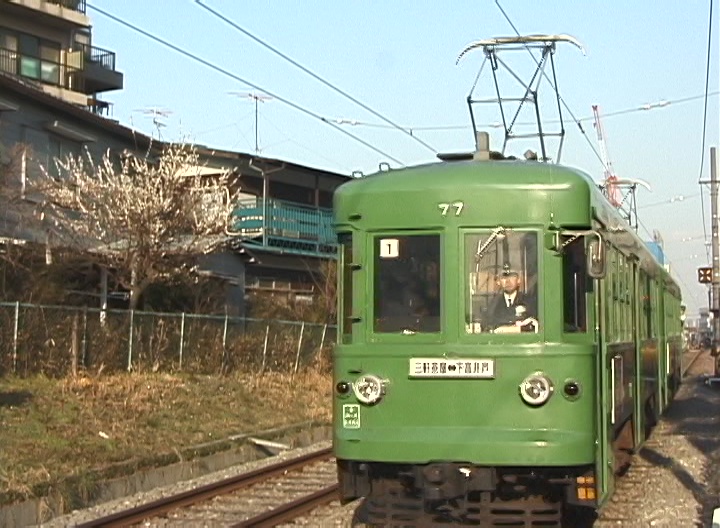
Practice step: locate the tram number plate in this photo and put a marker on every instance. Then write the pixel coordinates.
(451, 368)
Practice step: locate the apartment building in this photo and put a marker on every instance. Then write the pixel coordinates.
(51, 77)
(49, 44)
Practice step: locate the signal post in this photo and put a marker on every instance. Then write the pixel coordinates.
(711, 275)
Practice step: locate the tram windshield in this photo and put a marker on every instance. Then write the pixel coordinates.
(502, 281)
(407, 283)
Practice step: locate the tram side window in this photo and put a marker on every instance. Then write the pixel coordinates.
(646, 324)
(407, 283)
(345, 240)
(611, 296)
(575, 287)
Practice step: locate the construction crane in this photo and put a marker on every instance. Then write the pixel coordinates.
(610, 183)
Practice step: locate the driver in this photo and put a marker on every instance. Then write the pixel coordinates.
(511, 310)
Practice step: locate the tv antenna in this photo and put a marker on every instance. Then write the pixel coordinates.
(542, 50)
(258, 98)
(158, 115)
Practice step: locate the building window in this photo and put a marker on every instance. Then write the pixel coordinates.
(50, 63)
(29, 56)
(8, 52)
(59, 149)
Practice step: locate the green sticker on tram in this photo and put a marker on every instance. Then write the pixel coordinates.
(351, 416)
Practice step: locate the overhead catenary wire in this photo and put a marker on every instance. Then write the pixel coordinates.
(231, 75)
(635, 109)
(311, 73)
(704, 127)
(689, 290)
(497, 2)
(560, 98)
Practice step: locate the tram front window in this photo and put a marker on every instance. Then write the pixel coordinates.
(502, 281)
(407, 283)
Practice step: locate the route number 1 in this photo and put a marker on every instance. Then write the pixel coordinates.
(389, 248)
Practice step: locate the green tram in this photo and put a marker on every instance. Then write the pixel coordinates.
(442, 415)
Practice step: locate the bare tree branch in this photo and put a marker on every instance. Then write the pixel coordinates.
(134, 213)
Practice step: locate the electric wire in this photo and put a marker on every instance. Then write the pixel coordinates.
(625, 111)
(497, 2)
(677, 276)
(704, 128)
(311, 73)
(670, 201)
(240, 79)
(560, 98)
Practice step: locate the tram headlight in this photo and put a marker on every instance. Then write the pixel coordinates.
(536, 389)
(369, 389)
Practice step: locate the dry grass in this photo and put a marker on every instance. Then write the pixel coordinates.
(54, 431)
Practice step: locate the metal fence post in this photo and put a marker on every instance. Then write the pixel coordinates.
(182, 339)
(322, 339)
(74, 346)
(15, 337)
(130, 340)
(84, 339)
(264, 356)
(297, 357)
(224, 343)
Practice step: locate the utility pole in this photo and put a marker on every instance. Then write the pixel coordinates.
(715, 308)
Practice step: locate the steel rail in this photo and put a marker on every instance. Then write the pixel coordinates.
(166, 504)
(292, 510)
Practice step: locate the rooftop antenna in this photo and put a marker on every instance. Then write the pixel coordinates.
(158, 115)
(258, 98)
(542, 48)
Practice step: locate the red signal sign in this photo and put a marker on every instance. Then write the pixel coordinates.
(705, 275)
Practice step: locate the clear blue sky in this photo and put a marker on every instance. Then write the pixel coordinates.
(398, 58)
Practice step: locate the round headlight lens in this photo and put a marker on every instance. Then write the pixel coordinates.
(368, 389)
(536, 389)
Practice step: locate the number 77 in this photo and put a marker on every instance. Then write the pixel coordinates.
(445, 207)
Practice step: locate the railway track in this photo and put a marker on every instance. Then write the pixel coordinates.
(670, 446)
(246, 500)
(269, 496)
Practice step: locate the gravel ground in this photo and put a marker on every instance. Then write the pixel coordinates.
(675, 478)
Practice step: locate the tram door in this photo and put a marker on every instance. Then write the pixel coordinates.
(604, 405)
(640, 375)
(587, 309)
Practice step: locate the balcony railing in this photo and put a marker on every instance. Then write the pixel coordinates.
(43, 71)
(99, 56)
(286, 227)
(75, 5)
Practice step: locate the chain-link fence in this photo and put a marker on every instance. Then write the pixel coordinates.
(62, 340)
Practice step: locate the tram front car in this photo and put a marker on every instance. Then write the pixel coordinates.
(444, 409)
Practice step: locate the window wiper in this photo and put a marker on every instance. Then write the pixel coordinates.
(479, 254)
